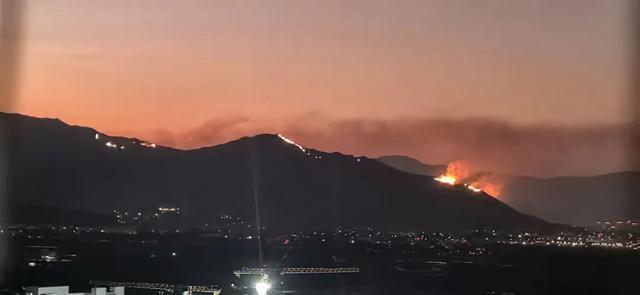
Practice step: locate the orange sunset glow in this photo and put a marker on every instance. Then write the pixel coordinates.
(435, 80)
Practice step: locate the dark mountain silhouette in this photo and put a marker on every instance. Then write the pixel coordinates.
(569, 200)
(411, 165)
(53, 165)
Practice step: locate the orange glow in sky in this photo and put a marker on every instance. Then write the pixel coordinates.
(158, 68)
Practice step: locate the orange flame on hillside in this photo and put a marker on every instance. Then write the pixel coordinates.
(488, 184)
(456, 171)
(446, 179)
(460, 172)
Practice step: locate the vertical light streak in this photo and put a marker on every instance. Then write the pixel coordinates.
(10, 52)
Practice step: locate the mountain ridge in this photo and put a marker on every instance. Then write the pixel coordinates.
(579, 200)
(299, 188)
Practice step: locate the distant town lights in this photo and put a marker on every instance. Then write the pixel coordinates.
(168, 209)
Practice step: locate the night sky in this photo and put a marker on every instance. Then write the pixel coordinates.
(527, 87)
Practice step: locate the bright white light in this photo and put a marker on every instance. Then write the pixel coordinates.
(262, 287)
(97, 136)
(446, 179)
(475, 189)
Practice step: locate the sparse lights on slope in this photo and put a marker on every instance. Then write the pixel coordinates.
(122, 147)
(114, 146)
(289, 141)
(146, 144)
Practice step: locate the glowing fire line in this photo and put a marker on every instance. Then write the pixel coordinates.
(446, 179)
(475, 189)
(289, 141)
(451, 180)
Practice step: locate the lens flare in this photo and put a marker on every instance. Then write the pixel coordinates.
(262, 287)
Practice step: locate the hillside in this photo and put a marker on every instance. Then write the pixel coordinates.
(55, 165)
(569, 200)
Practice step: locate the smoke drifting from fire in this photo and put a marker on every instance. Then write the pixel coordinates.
(461, 172)
(491, 145)
(488, 183)
(459, 169)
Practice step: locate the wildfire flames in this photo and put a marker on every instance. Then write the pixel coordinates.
(446, 179)
(289, 141)
(460, 173)
(456, 171)
(489, 185)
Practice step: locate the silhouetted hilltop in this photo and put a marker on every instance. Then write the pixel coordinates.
(569, 200)
(55, 165)
(411, 165)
